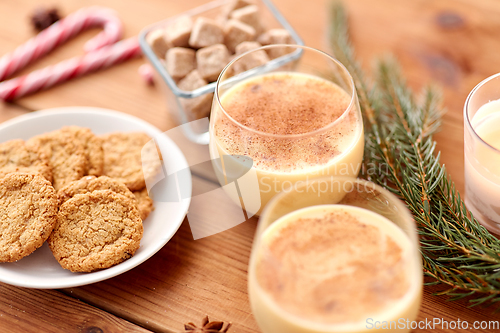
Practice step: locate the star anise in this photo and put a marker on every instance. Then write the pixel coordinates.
(207, 327)
(42, 18)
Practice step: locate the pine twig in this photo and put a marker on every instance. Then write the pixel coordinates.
(457, 251)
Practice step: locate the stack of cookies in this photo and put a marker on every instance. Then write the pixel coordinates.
(195, 51)
(85, 194)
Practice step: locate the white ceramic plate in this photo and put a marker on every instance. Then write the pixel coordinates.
(40, 269)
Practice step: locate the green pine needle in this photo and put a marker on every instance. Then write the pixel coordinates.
(457, 251)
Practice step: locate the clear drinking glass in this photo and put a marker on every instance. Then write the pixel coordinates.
(286, 113)
(311, 272)
(482, 152)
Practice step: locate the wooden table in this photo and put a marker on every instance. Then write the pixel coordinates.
(453, 43)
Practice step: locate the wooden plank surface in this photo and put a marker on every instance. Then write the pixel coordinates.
(34, 311)
(452, 43)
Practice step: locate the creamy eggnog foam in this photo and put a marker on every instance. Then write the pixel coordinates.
(280, 104)
(286, 103)
(293, 126)
(329, 268)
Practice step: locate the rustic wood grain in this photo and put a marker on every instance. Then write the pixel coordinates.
(25, 310)
(9, 111)
(452, 43)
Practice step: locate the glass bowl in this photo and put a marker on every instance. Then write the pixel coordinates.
(270, 15)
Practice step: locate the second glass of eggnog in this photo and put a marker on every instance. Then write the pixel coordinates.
(482, 152)
(335, 255)
(288, 113)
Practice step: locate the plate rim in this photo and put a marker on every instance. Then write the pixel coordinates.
(93, 277)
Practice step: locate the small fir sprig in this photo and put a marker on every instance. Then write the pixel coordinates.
(457, 251)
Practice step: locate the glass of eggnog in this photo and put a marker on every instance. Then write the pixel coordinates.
(293, 112)
(335, 254)
(482, 152)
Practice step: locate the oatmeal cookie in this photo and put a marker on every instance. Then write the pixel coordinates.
(93, 147)
(123, 158)
(67, 156)
(28, 213)
(96, 230)
(90, 184)
(144, 203)
(16, 156)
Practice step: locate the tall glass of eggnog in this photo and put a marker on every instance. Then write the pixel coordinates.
(335, 255)
(290, 112)
(482, 152)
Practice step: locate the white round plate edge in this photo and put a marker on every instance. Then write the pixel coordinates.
(76, 279)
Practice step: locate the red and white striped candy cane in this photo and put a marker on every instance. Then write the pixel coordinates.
(102, 51)
(60, 32)
(68, 69)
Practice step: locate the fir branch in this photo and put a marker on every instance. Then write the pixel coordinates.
(457, 251)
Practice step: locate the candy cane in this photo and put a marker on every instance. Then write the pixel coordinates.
(60, 32)
(68, 69)
(100, 54)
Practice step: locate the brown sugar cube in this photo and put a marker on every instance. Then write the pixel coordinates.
(180, 61)
(276, 36)
(251, 60)
(249, 15)
(192, 81)
(229, 8)
(211, 61)
(234, 5)
(237, 4)
(158, 42)
(221, 20)
(206, 32)
(236, 32)
(200, 106)
(178, 32)
(246, 46)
